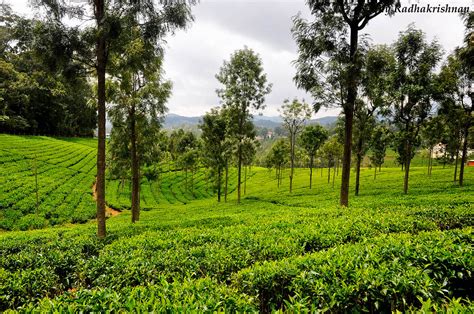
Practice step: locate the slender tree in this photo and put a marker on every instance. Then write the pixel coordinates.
(432, 133)
(414, 84)
(294, 115)
(244, 89)
(456, 92)
(278, 157)
(311, 139)
(380, 141)
(334, 35)
(94, 46)
(139, 94)
(376, 86)
(214, 126)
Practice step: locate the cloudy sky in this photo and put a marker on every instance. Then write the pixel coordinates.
(194, 56)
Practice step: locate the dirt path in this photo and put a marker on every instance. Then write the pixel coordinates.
(108, 210)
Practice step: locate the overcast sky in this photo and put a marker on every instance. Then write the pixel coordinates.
(194, 56)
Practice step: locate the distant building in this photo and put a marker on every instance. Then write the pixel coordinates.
(269, 135)
(470, 163)
(440, 149)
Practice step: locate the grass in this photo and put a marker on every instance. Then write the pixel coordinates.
(276, 251)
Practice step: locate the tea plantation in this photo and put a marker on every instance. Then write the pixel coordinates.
(65, 169)
(276, 251)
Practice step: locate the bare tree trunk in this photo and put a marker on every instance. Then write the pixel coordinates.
(359, 160)
(36, 186)
(219, 179)
(226, 180)
(292, 160)
(245, 180)
(333, 174)
(329, 171)
(407, 170)
(456, 165)
(464, 154)
(135, 169)
(311, 159)
(278, 176)
(239, 173)
(430, 158)
(99, 10)
(349, 116)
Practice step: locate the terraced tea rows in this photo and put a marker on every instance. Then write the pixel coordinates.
(65, 174)
(66, 169)
(297, 252)
(171, 188)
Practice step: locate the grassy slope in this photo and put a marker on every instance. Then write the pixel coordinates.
(66, 171)
(301, 251)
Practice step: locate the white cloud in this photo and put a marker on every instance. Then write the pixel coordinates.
(193, 57)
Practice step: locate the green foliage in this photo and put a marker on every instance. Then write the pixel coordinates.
(312, 137)
(40, 94)
(380, 141)
(277, 250)
(66, 171)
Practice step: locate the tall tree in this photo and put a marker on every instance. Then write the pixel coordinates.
(414, 85)
(381, 139)
(311, 138)
(93, 46)
(376, 95)
(335, 33)
(244, 89)
(139, 94)
(214, 126)
(39, 96)
(432, 132)
(331, 150)
(456, 92)
(294, 115)
(278, 158)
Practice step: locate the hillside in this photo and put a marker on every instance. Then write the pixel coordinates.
(298, 252)
(176, 121)
(66, 170)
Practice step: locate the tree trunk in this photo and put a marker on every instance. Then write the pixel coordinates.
(99, 9)
(407, 170)
(239, 172)
(329, 171)
(245, 180)
(430, 158)
(456, 165)
(278, 176)
(219, 179)
(311, 172)
(36, 186)
(333, 174)
(135, 169)
(226, 180)
(292, 160)
(464, 153)
(359, 161)
(349, 116)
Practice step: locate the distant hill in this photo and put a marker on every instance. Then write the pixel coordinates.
(325, 120)
(173, 121)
